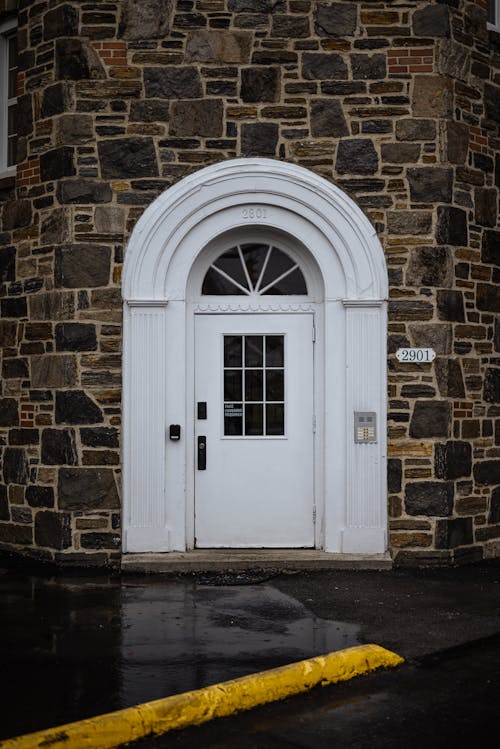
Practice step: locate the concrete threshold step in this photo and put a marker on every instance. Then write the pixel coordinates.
(224, 560)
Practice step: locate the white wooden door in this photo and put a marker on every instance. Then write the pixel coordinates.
(254, 440)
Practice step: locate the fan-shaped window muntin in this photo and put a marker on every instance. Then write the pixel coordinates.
(254, 269)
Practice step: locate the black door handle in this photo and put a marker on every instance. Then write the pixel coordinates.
(202, 453)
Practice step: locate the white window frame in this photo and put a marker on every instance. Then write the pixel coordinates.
(494, 15)
(6, 30)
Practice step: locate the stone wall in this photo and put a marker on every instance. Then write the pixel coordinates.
(397, 103)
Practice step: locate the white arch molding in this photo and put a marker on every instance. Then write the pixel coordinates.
(342, 251)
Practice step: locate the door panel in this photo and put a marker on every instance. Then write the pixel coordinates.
(254, 482)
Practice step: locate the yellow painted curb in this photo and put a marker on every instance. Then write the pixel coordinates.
(192, 708)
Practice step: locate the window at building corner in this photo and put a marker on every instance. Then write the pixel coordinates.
(494, 14)
(8, 99)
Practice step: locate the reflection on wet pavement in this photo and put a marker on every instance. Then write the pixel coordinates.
(72, 647)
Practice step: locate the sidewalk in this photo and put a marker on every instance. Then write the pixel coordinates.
(75, 646)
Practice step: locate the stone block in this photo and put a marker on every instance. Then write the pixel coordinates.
(172, 83)
(456, 142)
(13, 307)
(491, 388)
(417, 391)
(56, 226)
(452, 460)
(82, 265)
(24, 115)
(323, 66)
(335, 19)
(327, 119)
(410, 129)
(494, 514)
(40, 496)
(61, 21)
(453, 60)
(485, 208)
(202, 117)
(59, 447)
(400, 153)
(405, 310)
(53, 305)
(4, 503)
(430, 266)
(149, 111)
(449, 378)
(286, 26)
(432, 21)
(149, 19)
(121, 158)
(75, 407)
(430, 418)
(9, 412)
(21, 514)
(429, 498)
(438, 336)
(255, 6)
(23, 437)
(53, 529)
(73, 129)
(259, 84)
(57, 163)
(432, 96)
(76, 59)
(53, 371)
(15, 466)
(259, 139)
(56, 99)
(81, 489)
(356, 156)
(73, 336)
(368, 67)
(100, 540)
(16, 214)
(15, 368)
(487, 297)
(394, 475)
(450, 305)
(453, 532)
(429, 184)
(492, 102)
(451, 226)
(12, 533)
(490, 247)
(99, 437)
(409, 223)
(82, 191)
(7, 267)
(218, 46)
(487, 472)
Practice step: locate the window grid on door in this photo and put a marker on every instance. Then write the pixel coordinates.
(254, 385)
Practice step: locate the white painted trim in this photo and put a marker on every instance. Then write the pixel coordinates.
(494, 25)
(345, 268)
(5, 31)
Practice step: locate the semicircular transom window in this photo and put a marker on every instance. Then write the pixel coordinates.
(260, 269)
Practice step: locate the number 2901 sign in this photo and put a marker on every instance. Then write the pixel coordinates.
(420, 355)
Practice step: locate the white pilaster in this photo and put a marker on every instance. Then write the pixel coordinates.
(365, 513)
(145, 522)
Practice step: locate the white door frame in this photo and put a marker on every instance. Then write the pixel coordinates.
(233, 196)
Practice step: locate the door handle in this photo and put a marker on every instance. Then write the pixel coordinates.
(202, 453)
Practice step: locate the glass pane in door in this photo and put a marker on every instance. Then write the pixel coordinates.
(254, 385)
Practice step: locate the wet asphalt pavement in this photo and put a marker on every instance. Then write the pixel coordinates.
(73, 646)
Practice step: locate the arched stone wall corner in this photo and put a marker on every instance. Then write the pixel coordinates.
(269, 196)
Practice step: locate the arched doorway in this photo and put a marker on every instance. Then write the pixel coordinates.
(254, 337)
